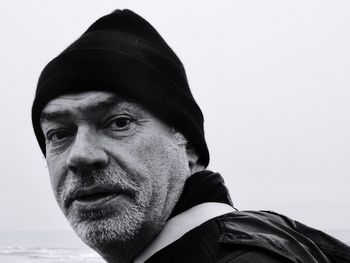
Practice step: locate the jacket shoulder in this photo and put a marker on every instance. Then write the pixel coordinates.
(268, 233)
(253, 256)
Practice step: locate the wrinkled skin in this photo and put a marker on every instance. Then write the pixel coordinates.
(97, 140)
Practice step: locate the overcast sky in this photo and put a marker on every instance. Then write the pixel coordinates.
(272, 79)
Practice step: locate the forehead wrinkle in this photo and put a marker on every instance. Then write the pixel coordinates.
(89, 108)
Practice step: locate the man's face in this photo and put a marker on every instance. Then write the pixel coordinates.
(116, 171)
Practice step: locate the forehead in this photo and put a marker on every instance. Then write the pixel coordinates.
(82, 99)
(92, 101)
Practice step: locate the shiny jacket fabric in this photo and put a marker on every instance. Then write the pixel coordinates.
(245, 236)
(254, 236)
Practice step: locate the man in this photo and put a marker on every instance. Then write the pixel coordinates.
(124, 143)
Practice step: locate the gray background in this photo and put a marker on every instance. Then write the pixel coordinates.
(272, 78)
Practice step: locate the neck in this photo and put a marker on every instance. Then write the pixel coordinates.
(112, 255)
(125, 251)
(201, 187)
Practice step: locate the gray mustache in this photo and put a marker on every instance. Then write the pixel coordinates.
(110, 178)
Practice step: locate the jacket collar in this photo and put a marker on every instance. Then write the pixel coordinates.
(202, 187)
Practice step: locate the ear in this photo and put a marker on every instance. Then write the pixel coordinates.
(192, 156)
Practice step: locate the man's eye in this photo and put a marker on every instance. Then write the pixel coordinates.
(57, 136)
(120, 122)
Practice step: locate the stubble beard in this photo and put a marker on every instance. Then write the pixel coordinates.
(106, 227)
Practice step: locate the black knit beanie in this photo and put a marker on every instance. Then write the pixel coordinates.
(121, 52)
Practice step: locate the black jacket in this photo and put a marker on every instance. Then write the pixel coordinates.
(245, 236)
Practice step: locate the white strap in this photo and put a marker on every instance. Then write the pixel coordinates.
(179, 225)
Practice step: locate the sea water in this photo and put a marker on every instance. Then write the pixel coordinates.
(48, 247)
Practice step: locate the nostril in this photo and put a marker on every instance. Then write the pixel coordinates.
(99, 165)
(73, 168)
(82, 167)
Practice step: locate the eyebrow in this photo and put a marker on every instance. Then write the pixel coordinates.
(91, 108)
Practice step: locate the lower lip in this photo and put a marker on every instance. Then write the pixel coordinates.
(98, 203)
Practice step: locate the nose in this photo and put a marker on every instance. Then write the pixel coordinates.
(86, 152)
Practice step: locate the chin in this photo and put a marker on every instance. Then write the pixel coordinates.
(100, 228)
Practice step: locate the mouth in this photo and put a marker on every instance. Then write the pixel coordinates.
(93, 198)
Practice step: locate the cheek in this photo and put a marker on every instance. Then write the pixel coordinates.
(140, 153)
(57, 170)
(164, 168)
(156, 150)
